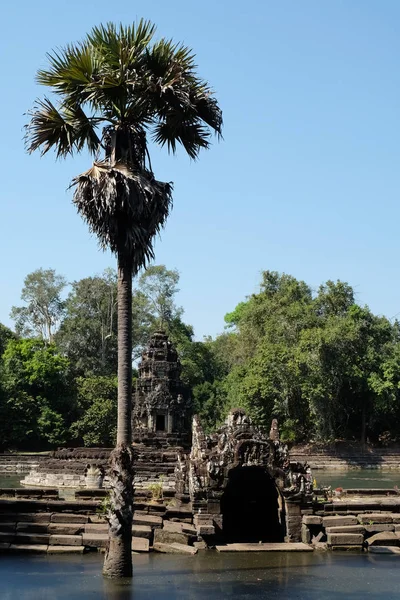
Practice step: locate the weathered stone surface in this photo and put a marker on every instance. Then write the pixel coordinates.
(346, 529)
(312, 520)
(164, 536)
(369, 519)
(339, 521)
(379, 527)
(140, 544)
(384, 550)
(42, 517)
(305, 534)
(142, 531)
(200, 545)
(174, 548)
(65, 528)
(205, 530)
(385, 538)
(96, 528)
(31, 527)
(68, 518)
(65, 550)
(95, 540)
(345, 539)
(150, 520)
(65, 540)
(33, 548)
(31, 538)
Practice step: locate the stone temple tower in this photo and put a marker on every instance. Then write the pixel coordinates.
(161, 402)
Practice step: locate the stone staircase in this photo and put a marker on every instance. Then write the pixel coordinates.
(20, 463)
(54, 526)
(347, 457)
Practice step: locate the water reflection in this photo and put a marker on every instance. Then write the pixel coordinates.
(304, 576)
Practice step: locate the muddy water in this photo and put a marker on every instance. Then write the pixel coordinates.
(208, 575)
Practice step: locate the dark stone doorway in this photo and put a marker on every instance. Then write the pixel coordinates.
(249, 507)
(160, 423)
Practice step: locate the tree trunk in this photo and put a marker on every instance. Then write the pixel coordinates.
(118, 558)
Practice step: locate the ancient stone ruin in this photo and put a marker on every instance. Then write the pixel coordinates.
(241, 484)
(162, 403)
(238, 483)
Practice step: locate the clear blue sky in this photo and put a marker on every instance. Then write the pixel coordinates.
(306, 180)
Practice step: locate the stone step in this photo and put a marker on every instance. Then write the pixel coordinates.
(65, 549)
(32, 538)
(65, 540)
(174, 548)
(151, 520)
(34, 548)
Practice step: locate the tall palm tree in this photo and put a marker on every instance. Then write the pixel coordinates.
(115, 91)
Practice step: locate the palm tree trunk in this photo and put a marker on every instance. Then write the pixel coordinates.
(118, 558)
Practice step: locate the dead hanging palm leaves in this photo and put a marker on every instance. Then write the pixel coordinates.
(124, 209)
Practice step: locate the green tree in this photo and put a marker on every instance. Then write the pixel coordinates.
(44, 306)
(5, 335)
(37, 397)
(115, 89)
(97, 404)
(88, 333)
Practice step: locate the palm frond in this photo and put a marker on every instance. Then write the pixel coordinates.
(64, 129)
(124, 209)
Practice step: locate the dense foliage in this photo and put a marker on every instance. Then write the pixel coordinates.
(326, 367)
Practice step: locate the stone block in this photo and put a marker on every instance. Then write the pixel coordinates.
(346, 529)
(65, 528)
(95, 540)
(96, 528)
(174, 527)
(31, 527)
(346, 548)
(32, 548)
(65, 550)
(339, 521)
(151, 520)
(65, 540)
(312, 520)
(174, 548)
(200, 545)
(369, 519)
(305, 534)
(205, 530)
(142, 531)
(164, 536)
(34, 517)
(378, 527)
(140, 544)
(345, 539)
(68, 518)
(31, 538)
(385, 538)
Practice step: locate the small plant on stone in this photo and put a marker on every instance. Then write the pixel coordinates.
(105, 506)
(156, 490)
